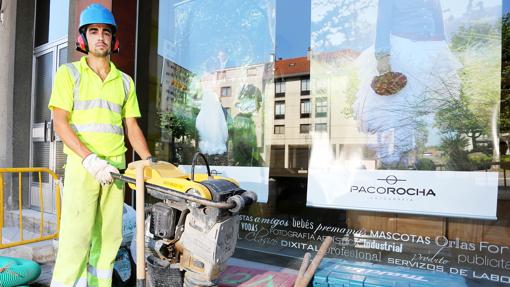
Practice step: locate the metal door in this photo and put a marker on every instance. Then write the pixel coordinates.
(46, 148)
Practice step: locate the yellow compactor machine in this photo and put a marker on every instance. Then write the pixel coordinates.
(193, 231)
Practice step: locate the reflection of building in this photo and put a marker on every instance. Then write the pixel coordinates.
(290, 111)
(295, 112)
(175, 81)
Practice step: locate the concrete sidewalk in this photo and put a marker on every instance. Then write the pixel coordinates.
(239, 272)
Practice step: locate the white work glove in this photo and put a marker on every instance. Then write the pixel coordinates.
(100, 169)
(105, 176)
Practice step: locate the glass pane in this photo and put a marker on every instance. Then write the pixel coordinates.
(204, 45)
(277, 156)
(59, 18)
(449, 53)
(60, 159)
(41, 157)
(299, 155)
(43, 83)
(413, 112)
(62, 56)
(216, 57)
(52, 18)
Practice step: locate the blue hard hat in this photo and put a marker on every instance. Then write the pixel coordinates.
(97, 14)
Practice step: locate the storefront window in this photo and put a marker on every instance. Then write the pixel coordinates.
(399, 152)
(215, 57)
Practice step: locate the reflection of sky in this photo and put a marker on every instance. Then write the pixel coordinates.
(59, 16)
(346, 24)
(292, 28)
(206, 35)
(350, 24)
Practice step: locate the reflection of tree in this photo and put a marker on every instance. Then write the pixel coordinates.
(178, 125)
(478, 46)
(454, 147)
(504, 118)
(244, 137)
(351, 89)
(473, 35)
(342, 19)
(465, 121)
(243, 129)
(456, 119)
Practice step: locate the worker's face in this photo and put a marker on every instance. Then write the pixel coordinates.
(99, 38)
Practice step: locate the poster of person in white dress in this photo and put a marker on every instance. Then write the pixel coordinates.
(414, 87)
(213, 80)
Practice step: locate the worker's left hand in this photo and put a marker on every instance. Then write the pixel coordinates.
(104, 176)
(152, 160)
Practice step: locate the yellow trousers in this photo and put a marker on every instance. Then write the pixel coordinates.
(90, 229)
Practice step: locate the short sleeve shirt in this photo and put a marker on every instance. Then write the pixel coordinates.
(96, 107)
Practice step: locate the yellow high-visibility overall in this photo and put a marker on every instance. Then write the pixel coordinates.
(91, 225)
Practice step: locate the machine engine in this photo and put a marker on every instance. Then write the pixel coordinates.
(197, 237)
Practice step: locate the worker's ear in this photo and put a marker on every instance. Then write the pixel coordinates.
(115, 44)
(81, 43)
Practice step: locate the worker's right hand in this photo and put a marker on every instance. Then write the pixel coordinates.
(105, 175)
(99, 168)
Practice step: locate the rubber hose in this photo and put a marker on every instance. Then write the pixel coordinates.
(17, 271)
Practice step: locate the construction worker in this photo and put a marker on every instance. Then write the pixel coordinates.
(94, 104)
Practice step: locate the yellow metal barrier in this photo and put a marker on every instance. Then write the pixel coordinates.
(20, 171)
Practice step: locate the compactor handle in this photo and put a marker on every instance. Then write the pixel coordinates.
(193, 165)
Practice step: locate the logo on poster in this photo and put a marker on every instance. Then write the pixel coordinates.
(390, 189)
(391, 179)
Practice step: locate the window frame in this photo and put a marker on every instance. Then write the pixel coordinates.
(305, 108)
(302, 129)
(279, 89)
(305, 92)
(325, 129)
(323, 101)
(280, 128)
(226, 88)
(279, 113)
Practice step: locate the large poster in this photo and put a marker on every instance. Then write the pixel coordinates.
(413, 93)
(216, 70)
